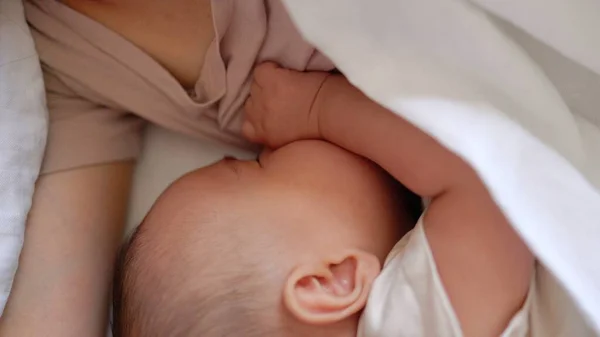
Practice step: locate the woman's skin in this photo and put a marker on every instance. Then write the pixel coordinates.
(75, 227)
(176, 33)
(73, 232)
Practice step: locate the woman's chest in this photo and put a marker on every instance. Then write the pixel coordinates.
(176, 33)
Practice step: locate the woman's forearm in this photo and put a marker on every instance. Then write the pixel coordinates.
(62, 285)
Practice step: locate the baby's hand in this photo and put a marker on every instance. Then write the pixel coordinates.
(281, 106)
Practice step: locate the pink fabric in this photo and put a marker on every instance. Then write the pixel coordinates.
(101, 88)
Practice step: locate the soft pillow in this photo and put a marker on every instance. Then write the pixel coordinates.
(23, 131)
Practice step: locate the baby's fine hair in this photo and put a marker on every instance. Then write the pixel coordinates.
(185, 301)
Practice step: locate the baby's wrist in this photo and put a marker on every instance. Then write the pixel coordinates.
(329, 101)
(317, 107)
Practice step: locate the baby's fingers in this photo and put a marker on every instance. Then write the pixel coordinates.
(251, 128)
(264, 72)
(249, 132)
(255, 90)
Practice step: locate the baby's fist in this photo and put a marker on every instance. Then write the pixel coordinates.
(281, 106)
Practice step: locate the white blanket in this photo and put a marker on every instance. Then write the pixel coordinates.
(22, 135)
(506, 85)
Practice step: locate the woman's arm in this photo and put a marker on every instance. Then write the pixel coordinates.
(74, 229)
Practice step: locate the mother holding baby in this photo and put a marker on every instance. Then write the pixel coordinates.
(307, 228)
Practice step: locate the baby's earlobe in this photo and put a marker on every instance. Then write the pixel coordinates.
(331, 290)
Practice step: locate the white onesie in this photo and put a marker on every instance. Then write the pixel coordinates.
(408, 299)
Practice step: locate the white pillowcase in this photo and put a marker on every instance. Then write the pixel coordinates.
(23, 129)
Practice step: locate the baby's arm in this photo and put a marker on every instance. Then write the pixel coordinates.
(485, 268)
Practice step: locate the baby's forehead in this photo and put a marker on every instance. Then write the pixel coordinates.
(198, 206)
(207, 239)
(200, 189)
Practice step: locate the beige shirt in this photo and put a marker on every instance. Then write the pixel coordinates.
(101, 88)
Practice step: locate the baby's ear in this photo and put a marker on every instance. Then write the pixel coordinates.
(331, 290)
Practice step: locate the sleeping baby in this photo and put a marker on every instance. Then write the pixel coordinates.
(317, 238)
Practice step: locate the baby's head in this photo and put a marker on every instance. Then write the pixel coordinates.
(285, 246)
